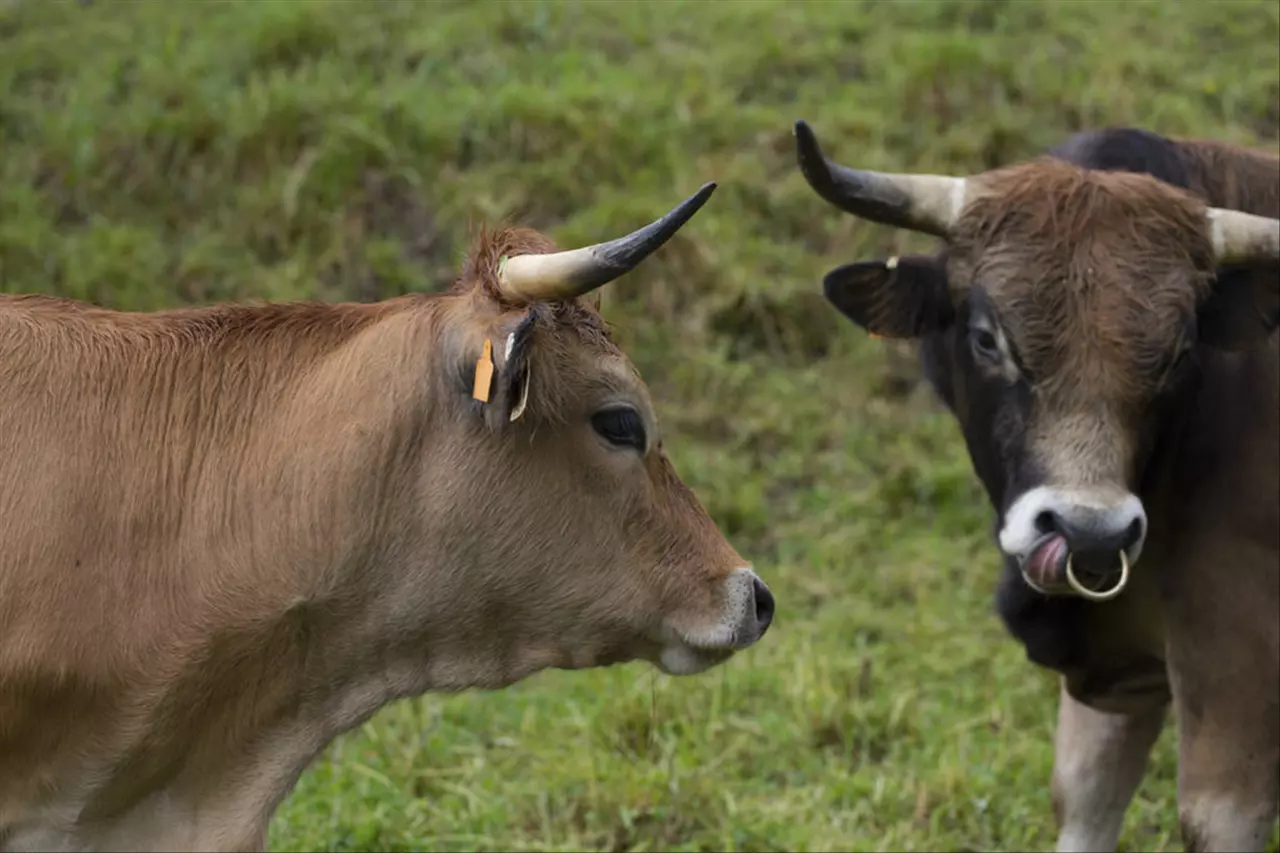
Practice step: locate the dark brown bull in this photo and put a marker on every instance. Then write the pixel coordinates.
(1101, 322)
(229, 534)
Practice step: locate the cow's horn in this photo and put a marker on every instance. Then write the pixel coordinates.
(1239, 237)
(564, 275)
(928, 203)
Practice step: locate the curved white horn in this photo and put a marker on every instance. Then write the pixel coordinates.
(564, 275)
(928, 203)
(1240, 237)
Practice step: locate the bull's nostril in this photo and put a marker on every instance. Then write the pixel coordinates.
(764, 605)
(1132, 534)
(1047, 522)
(1096, 563)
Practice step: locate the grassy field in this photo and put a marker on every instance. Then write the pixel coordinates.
(158, 153)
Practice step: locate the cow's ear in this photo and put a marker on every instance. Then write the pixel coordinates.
(897, 298)
(501, 372)
(1244, 307)
(512, 371)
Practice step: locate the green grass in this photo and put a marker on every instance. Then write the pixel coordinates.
(159, 153)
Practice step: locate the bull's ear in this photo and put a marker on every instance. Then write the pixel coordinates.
(1244, 308)
(897, 298)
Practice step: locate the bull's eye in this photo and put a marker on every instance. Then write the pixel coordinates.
(985, 344)
(621, 426)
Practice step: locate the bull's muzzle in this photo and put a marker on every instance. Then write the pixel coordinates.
(1078, 587)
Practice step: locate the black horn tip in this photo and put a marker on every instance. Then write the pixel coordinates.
(841, 187)
(813, 163)
(806, 141)
(693, 203)
(656, 233)
(619, 256)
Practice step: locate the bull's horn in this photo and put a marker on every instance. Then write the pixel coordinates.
(564, 275)
(1240, 237)
(928, 203)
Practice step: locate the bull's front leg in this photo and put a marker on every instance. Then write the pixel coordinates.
(1099, 759)
(1228, 769)
(1224, 666)
(1228, 713)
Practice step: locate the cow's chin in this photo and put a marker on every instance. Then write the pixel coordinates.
(689, 649)
(683, 659)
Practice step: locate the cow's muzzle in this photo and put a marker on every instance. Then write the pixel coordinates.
(746, 612)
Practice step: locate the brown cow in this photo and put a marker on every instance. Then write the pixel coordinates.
(1106, 341)
(229, 534)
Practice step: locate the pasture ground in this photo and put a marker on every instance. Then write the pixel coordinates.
(155, 154)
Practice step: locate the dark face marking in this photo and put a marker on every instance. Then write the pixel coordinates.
(972, 377)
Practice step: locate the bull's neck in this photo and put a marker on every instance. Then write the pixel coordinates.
(1218, 443)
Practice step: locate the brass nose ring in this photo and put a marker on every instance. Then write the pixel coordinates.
(1106, 595)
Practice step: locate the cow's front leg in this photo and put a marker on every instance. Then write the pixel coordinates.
(1099, 759)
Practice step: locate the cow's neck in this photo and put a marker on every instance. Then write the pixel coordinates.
(238, 611)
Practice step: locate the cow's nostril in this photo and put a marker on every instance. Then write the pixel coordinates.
(764, 605)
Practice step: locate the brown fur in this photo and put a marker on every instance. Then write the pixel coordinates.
(1233, 176)
(1094, 273)
(231, 533)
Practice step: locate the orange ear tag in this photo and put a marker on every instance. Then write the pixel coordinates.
(484, 373)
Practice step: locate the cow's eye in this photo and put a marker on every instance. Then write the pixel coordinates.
(985, 344)
(621, 426)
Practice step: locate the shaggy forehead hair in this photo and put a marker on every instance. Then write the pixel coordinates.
(561, 374)
(481, 270)
(1093, 275)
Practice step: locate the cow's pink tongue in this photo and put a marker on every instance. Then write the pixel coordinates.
(1047, 563)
